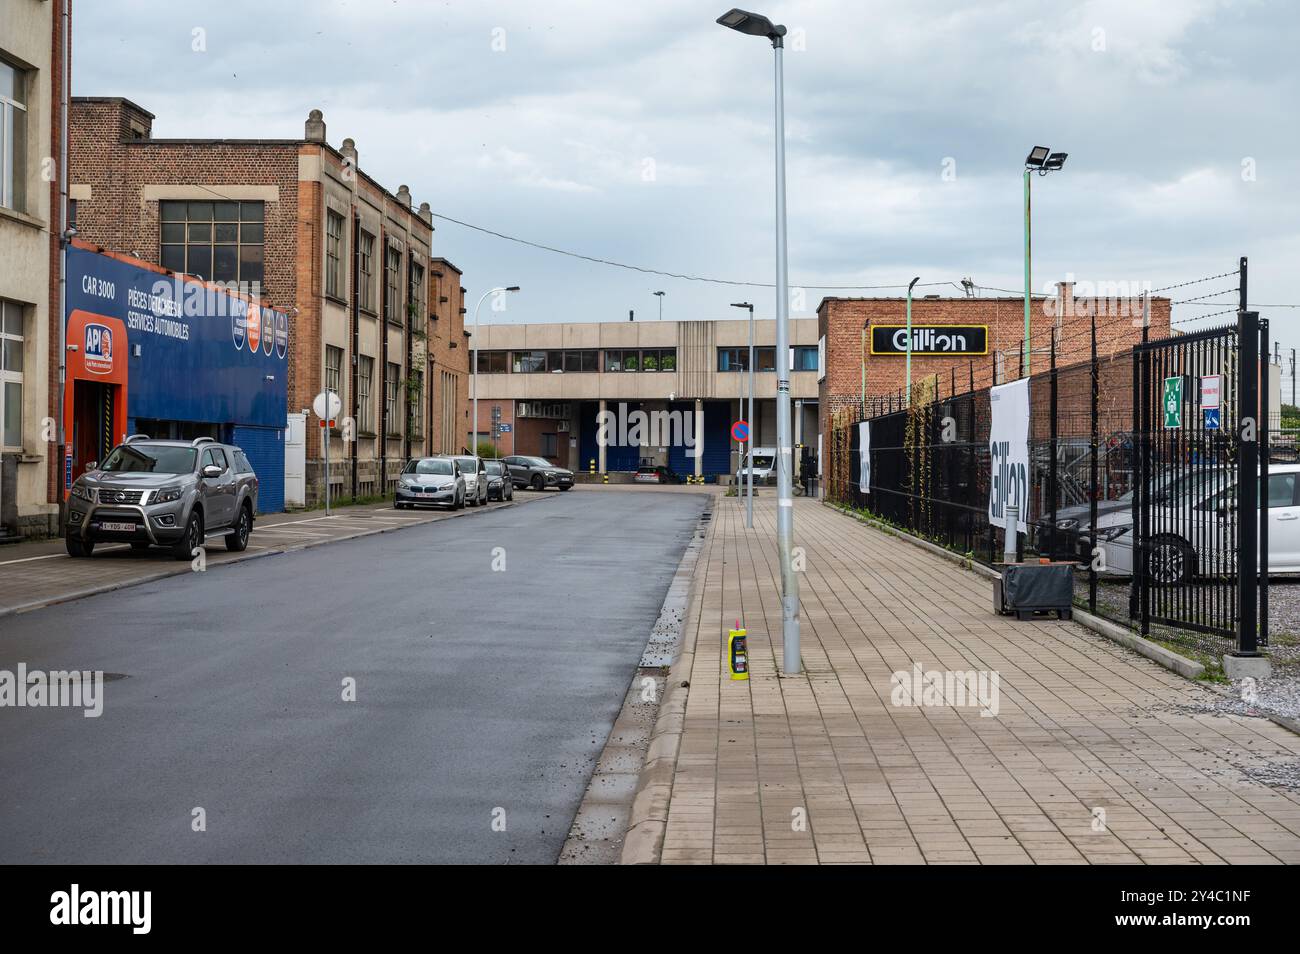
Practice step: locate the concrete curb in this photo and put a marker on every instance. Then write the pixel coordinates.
(242, 558)
(1102, 627)
(644, 840)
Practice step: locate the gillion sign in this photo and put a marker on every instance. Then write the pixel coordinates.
(931, 339)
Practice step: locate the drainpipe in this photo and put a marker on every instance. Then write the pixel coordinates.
(864, 369)
(356, 337)
(410, 345)
(383, 361)
(65, 80)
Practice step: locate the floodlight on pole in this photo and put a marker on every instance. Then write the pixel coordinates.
(1042, 160)
(660, 296)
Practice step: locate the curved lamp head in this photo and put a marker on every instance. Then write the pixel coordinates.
(752, 24)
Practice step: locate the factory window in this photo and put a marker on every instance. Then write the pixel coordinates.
(365, 405)
(333, 254)
(366, 282)
(13, 139)
(737, 359)
(220, 240)
(11, 374)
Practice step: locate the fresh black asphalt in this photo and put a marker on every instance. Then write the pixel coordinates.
(481, 696)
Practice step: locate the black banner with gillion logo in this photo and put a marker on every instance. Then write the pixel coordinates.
(943, 340)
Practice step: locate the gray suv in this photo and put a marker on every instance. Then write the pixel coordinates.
(538, 473)
(164, 493)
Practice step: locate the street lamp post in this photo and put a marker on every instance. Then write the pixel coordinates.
(660, 296)
(749, 467)
(474, 337)
(1041, 160)
(753, 24)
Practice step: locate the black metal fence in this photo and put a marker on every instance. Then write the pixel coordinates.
(1132, 474)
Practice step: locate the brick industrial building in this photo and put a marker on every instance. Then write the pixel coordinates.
(990, 342)
(375, 315)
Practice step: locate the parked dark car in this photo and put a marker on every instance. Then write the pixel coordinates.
(538, 473)
(163, 493)
(656, 475)
(499, 484)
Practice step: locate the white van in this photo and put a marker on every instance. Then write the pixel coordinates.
(764, 467)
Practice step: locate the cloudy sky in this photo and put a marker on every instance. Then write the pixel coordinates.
(642, 133)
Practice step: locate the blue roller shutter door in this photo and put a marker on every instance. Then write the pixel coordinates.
(264, 447)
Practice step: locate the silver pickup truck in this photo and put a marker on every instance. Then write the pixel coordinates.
(163, 493)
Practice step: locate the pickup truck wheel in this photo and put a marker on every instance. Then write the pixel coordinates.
(183, 549)
(237, 542)
(77, 547)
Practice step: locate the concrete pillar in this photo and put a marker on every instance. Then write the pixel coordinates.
(600, 445)
(699, 437)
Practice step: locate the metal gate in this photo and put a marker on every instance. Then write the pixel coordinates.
(1199, 524)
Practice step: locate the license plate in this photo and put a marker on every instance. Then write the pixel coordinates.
(114, 527)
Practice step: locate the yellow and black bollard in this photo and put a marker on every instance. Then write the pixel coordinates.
(591, 467)
(738, 653)
(604, 478)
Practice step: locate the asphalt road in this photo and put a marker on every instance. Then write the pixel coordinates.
(476, 691)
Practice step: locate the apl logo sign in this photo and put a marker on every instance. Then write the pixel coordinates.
(254, 328)
(99, 349)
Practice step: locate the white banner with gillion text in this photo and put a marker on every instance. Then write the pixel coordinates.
(864, 457)
(1009, 452)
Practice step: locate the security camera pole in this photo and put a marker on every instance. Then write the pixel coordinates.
(756, 25)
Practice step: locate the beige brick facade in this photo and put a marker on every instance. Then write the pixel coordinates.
(121, 174)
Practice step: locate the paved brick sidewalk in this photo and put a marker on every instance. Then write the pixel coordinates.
(1082, 725)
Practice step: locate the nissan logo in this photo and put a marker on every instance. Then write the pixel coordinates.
(120, 496)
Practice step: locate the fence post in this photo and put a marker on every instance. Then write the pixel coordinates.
(1051, 444)
(1094, 475)
(1265, 389)
(1248, 343)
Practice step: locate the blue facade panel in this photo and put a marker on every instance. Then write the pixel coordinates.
(200, 358)
(194, 353)
(265, 449)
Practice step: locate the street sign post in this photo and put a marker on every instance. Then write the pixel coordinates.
(1173, 403)
(327, 406)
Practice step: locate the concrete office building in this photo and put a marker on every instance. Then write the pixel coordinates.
(542, 387)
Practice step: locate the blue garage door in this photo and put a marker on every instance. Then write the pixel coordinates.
(265, 449)
(716, 436)
(617, 457)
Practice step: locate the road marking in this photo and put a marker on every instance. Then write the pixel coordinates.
(54, 556)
